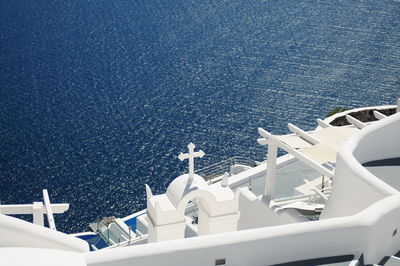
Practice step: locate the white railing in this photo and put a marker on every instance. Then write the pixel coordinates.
(225, 166)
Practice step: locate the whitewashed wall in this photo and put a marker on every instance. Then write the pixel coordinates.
(369, 232)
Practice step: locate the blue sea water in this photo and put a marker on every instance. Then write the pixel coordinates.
(98, 97)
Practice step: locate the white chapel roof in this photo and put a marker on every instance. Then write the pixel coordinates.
(179, 187)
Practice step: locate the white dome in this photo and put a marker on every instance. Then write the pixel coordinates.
(180, 187)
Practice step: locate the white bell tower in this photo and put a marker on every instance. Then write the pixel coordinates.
(217, 205)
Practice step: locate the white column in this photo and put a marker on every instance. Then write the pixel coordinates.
(203, 222)
(38, 213)
(164, 232)
(271, 170)
(222, 223)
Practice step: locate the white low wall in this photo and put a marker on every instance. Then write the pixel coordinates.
(354, 187)
(369, 232)
(255, 213)
(17, 233)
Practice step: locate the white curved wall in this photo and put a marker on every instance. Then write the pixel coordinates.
(354, 187)
(17, 233)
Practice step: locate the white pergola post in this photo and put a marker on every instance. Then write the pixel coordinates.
(37, 211)
(269, 191)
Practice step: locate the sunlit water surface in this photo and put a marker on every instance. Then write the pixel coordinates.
(98, 98)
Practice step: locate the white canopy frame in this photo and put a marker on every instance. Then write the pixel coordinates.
(274, 143)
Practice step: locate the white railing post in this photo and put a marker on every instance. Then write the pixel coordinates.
(37, 211)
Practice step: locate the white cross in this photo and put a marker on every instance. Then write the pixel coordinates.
(191, 155)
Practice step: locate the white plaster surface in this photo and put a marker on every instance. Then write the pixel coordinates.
(39, 257)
